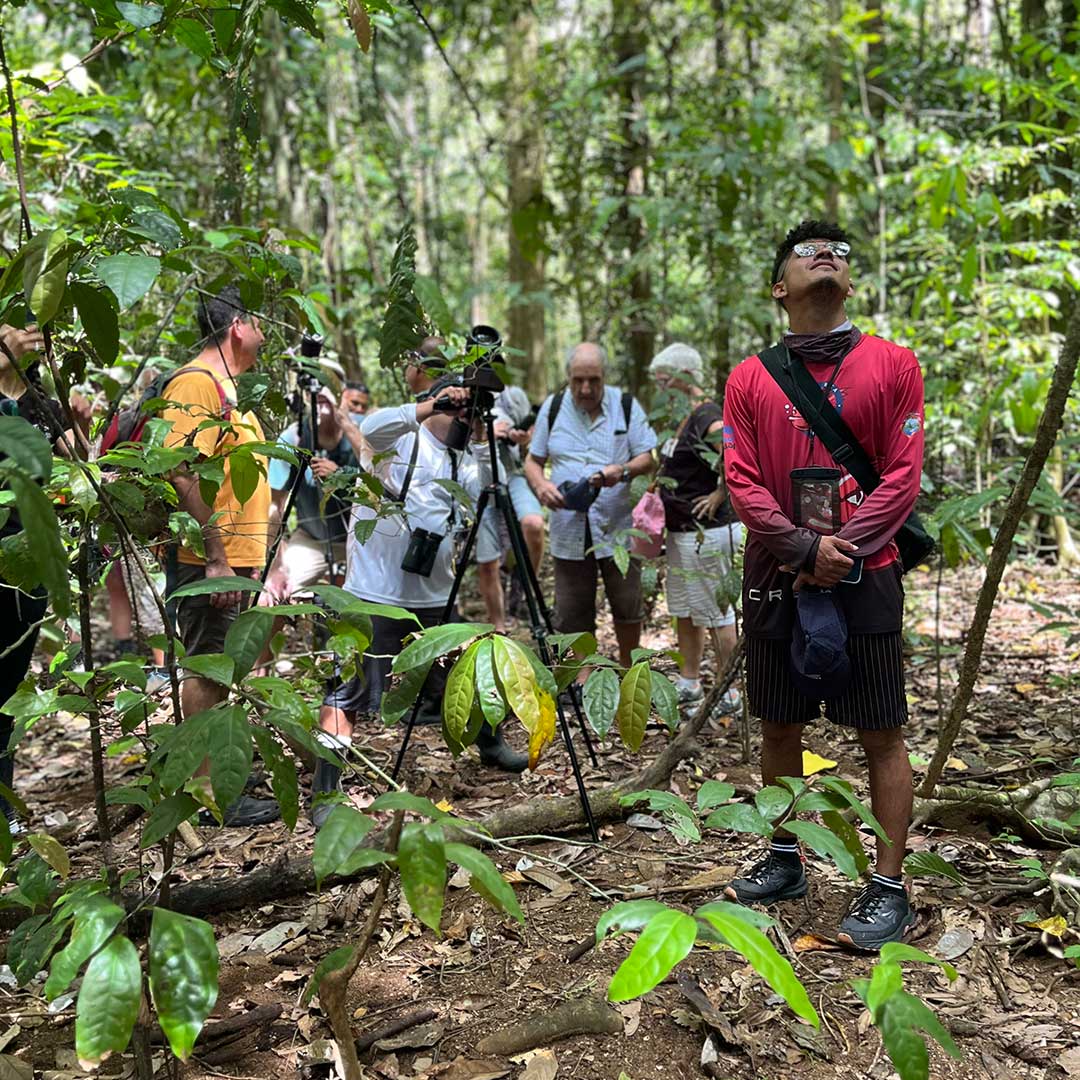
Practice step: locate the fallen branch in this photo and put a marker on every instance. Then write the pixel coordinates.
(395, 1027)
(579, 1016)
(231, 1025)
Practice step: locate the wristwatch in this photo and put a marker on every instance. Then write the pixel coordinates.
(625, 477)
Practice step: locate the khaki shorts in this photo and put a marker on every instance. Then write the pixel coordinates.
(200, 626)
(575, 593)
(304, 560)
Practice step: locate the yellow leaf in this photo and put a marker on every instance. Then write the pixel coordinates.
(445, 806)
(812, 763)
(957, 764)
(544, 731)
(519, 682)
(1055, 925)
(1025, 687)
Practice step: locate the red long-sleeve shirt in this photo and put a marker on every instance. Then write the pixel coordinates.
(879, 393)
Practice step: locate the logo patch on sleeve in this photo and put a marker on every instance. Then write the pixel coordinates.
(912, 424)
(729, 437)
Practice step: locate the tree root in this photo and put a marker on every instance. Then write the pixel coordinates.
(579, 1016)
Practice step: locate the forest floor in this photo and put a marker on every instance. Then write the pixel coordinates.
(1014, 1010)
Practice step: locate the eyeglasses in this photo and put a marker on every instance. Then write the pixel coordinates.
(837, 247)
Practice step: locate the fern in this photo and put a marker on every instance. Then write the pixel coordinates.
(404, 326)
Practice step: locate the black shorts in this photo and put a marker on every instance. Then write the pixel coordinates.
(873, 701)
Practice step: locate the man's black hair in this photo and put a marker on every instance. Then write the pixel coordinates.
(354, 384)
(805, 230)
(216, 314)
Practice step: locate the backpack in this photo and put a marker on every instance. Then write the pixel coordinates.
(557, 400)
(129, 423)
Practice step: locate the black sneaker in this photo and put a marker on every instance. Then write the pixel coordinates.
(326, 779)
(769, 880)
(877, 915)
(244, 813)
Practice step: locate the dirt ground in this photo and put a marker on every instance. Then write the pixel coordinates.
(1013, 1009)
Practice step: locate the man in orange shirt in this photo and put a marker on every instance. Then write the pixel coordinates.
(203, 414)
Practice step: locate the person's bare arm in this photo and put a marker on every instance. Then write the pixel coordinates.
(276, 589)
(217, 565)
(548, 494)
(641, 465)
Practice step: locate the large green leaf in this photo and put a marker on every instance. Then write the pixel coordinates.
(842, 788)
(338, 840)
(485, 878)
(95, 920)
(627, 916)
(166, 816)
(47, 551)
(431, 298)
(739, 817)
(283, 779)
(341, 600)
(665, 700)
(244, 476)
(635, 700)
(667, 938)
(230, 751)
(217, 667)
(849, 836)
(216, 584)
(186, 750)
(108, 1002)
(31, 944)
(436, 642)
(926, 863)
(183, 963)
(399, 700)
(405, 800)
(246, 638)
(26, 447)
(129, 276)
(714, 793)
(99, 320)
(45, 273)
(900, 1019)
(758, 951)
(492, 703)
(772, 802)
(458, 696)
(422, 864)
(825, 843)
(51, 851)
(600, 697)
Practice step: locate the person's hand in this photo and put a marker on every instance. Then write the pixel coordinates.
(323, 467)
(550, 496)
(608, 476)
(704, 507)
(459, 395)
(803, 578)
(81, 410)
(20, 342)
(344, 418)
(275, 590)
(521, 436)
(221, 568)
(502, 429)
(832, 562)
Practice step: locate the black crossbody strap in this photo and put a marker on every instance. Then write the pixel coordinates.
(412, 468)
(827, 424)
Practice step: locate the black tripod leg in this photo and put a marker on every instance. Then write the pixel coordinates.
(408, 734)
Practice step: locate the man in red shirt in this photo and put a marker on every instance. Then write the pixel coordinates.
(877, 388)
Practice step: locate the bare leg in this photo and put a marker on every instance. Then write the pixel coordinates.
(781, 755)
(119, 605)
(691, 644)
(490, 585)
(724, 639)
(628, 634)
(890, 794)
(335, 721)
(532, 528)
(196, 696)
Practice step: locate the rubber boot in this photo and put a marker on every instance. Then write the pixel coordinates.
(327, 778)
(497, 753)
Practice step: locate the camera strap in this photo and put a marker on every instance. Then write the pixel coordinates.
(411, 469)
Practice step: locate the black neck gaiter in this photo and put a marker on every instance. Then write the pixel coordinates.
(823, 348)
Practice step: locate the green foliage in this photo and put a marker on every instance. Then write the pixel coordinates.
(108, 1002)
(404, 325)
(601, 698)
(635, 700)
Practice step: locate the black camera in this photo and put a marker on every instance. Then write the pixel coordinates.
(481, 375)
(421, 553)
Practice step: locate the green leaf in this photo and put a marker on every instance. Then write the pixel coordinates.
(927, 864)
(166, 816)
(51, 852)
(399, 700)
(714, 793)
(739, 817)
(186, 750)
(345, 602)
(759, 953)
(900, 1018)
(667, 938)
(183, 963)
(842, 788)
(139, 15)
(213, 666)
(99, 320)
(626, 917)
(601, 698)
(108, 1002)
(747, 914)
(45, 269)
(95, 920)
(193, 36)
(26, 447)
(298, 13)
(492, 703)
(458, 696)
(825, 843)
(334, 961)
(338, 840)
(849, 836)
(635, 697)
(621, 557)
(422, 865)
(229, 749)
(47, 551)
(129, 276)
(35, 878)
(246, 638)
(7, 845)
(436, 642)
(283, 778)
(897, 952)
(544, 678)
(485, 878)
(431, 299)
(31, 944)
(772, 802)
(405, 800)
(665, 700)
(244, 475)
(204, 586)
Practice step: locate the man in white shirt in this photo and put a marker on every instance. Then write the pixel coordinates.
(593, 435)
(417, 437)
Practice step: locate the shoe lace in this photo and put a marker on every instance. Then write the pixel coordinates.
(761, 870)
(865, 905)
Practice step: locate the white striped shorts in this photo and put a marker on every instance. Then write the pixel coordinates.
(700, 580)
(873, 701)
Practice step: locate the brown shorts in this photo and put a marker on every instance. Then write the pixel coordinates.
(200, 626)
(575, 593)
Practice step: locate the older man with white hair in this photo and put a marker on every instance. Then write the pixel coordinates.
(596, 442)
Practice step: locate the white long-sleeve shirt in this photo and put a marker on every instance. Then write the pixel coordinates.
(374, 568)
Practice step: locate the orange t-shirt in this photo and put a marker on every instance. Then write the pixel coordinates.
(243, 526)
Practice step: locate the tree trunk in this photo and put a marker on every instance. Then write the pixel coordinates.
(722, 250)
(1045, 438)
(1067, 553)
(525, 173)
(632, 175)
(834, 95)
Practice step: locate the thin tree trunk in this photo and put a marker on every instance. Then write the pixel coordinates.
(1045, 438)
(1067, 553)
(834, 95)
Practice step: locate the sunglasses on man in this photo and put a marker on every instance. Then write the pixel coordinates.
(810, 248)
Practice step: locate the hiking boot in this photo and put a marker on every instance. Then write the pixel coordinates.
(326, 779)
(770, 880)
(690, 695)
(497, 753)
(877, 915)
(244, 813)
(430, 714)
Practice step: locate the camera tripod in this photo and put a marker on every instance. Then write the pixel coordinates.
(539, 615)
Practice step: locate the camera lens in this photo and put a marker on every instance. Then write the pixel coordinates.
(487, 336)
